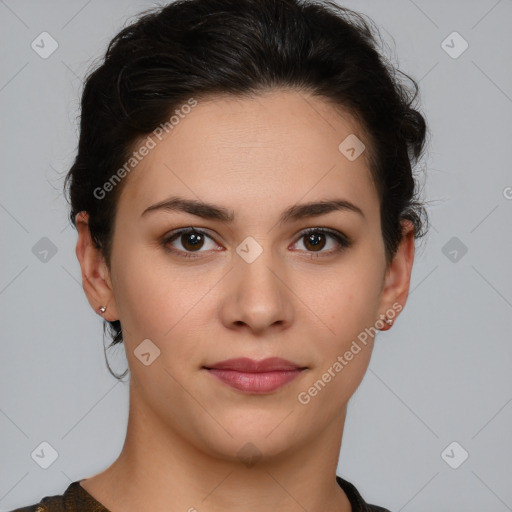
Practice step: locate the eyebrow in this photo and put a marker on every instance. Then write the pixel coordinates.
(214, 212)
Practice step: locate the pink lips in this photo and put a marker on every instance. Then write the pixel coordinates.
(253, 376)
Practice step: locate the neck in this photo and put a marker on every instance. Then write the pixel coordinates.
(160, 470)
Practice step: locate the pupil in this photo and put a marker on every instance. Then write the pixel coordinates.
(192, 239)
(314, 239)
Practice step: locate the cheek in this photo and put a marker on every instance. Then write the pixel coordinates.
(163, 301)
(343, 351)
(152, 304)
(142, 293)
(348, 302)
(349, 295)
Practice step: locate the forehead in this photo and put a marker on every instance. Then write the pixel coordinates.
(280, 144)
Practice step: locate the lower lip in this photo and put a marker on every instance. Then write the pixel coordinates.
(257, 383)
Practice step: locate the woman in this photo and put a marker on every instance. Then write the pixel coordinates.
(246, 215)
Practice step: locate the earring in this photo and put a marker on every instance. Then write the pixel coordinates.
(103, 309)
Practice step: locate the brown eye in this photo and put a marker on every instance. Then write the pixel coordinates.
(191, 241)
(316, 239)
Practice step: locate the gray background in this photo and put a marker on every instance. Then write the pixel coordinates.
(442, 374)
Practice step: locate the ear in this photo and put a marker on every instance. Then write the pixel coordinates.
(96, 279)
(398, 274)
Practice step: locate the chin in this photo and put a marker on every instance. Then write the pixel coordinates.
(252, 438)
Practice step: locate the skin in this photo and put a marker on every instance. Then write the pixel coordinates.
(254, 156)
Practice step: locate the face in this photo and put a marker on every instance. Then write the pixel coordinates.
(246, 280)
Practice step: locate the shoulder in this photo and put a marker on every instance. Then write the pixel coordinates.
(74, 499)
(47, 504)
(355, 498)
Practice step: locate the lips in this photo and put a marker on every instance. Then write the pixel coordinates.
(255, 377)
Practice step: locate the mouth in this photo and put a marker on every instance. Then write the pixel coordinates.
(255, 377)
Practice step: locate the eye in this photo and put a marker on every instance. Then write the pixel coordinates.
(191, 241)
(316, 239)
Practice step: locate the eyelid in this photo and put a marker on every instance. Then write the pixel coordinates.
(174, 234)
(338, 235)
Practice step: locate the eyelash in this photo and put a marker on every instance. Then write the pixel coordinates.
(343, 241)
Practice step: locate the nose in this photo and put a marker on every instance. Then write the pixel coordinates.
(257, 296)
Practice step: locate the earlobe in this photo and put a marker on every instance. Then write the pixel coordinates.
(95, 273)
(398, 275)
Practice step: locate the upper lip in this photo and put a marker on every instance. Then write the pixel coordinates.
(245, 364)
